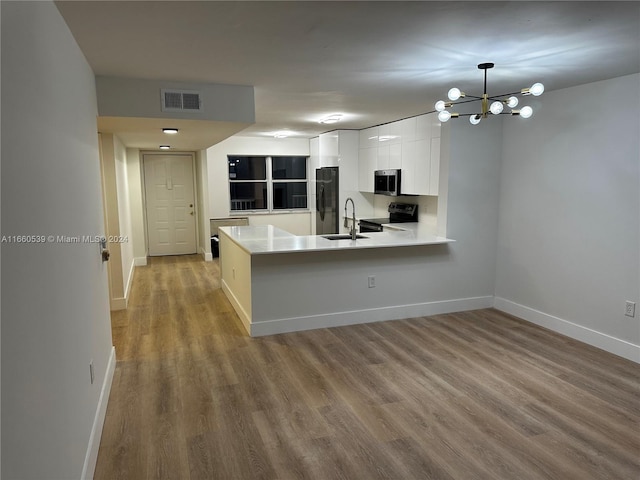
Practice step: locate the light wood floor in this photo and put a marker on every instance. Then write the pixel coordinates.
(476, 395)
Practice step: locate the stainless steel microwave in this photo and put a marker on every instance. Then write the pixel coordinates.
(387, 182)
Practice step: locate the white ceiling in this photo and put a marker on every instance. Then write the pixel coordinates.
(372, 61)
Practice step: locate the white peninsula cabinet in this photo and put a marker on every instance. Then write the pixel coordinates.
(412, 145)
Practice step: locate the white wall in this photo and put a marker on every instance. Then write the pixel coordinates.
(218, 174)
(569, 241)
(124, 215)
(55, 306)
(470, 172)
(202, 194)
(136, 203)
(140, 98)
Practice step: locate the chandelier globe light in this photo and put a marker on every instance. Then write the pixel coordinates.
(494, 105)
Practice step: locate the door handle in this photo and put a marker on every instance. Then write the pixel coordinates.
(104, 251)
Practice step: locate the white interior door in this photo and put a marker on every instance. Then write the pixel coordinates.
(171, 221)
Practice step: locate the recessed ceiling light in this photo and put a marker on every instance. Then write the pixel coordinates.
(333, 118)
(165, 147)
(170, 130)
(282, 134)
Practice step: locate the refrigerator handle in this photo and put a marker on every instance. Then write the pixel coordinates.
(321, 200)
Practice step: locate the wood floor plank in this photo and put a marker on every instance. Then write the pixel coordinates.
(470, 395)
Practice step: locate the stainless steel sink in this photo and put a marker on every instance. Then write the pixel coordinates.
(342, 237)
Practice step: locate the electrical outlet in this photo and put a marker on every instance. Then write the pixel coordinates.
(630, 309)
(372, 281)
(91, 373)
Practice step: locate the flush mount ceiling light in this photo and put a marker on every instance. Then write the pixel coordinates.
(165, 147)
(496, 107)
(282, 134)
(170, 130)
(333, 118)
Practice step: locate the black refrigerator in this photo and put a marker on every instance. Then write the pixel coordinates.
(327, 200)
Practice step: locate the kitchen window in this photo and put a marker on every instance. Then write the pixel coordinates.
(267, 183)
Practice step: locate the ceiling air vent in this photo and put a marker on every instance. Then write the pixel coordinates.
(181, 101)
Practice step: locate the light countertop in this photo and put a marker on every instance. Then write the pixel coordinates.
(266, 239)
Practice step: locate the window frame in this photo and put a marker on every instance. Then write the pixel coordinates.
(269, 181)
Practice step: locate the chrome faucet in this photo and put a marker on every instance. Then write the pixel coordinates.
(352, 232)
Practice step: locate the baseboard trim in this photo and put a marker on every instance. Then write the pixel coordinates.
(237, 306)
(140, 261)
(119, 303)
(208, 256)
(338, 319)
(127, 288)
(601, 340)
(91, 456)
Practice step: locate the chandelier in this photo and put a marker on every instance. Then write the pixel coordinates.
(498, 102)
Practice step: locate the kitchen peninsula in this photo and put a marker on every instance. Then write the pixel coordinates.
(279, 282)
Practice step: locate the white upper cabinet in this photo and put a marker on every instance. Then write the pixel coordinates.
(412, 145)
(422, 160)
(339, 149)
(395, 156)
(408, 129)
(329, 150)
(369, 137)
(408, 177)
(348, 141)
(423, 126)
(434, 171)
(384, 151)
(390, 134)
(368, 159)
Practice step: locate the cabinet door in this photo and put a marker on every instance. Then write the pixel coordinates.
(390, 134)
(422, 166)
(369, 137)
(395, 156)
(407, 182)
(348, 160)
(384, 151)
(423, 126)
(367, 160)
(329, 149)
(434, 170)
(408, 129)
(436, 126)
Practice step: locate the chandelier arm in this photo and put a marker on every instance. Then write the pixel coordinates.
(474, 99)
(496, 97)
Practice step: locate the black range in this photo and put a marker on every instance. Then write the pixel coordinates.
(398, 213)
